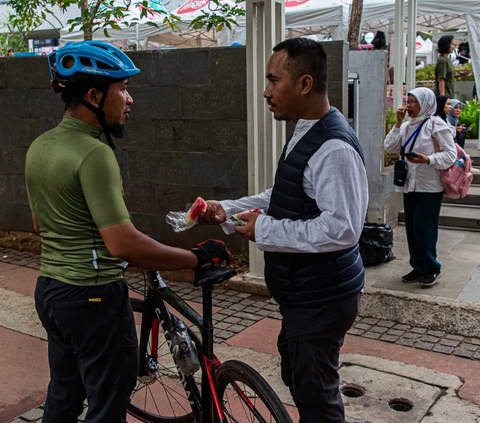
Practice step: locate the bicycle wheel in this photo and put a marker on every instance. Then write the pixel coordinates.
(161, 396)
(246, 397)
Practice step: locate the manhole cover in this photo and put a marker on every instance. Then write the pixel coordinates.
(387, 397)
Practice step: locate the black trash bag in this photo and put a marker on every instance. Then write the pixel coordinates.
(376, 243)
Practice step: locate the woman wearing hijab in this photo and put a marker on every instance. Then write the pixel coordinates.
(444, 107)
(444, 70)
(423, 191)
(452, 119)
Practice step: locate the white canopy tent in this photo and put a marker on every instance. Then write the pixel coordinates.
(432, 15)
(423, 48)
(302, 17)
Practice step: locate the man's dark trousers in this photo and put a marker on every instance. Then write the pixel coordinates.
(92, 350)
(309, 345)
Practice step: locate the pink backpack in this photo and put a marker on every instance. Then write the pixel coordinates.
(456, 179)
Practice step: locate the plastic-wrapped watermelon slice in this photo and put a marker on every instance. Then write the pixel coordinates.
(181, 221)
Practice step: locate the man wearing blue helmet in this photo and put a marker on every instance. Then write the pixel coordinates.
(75, 193)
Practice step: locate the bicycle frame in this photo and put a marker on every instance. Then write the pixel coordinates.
(158, 293)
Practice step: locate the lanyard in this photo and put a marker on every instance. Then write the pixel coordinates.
(415, 134)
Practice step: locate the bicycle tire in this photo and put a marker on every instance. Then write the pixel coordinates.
(235, 409)
(145, 406)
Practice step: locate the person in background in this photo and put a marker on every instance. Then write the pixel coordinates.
(423, 191)
(444, 107)
(452, 119)
(379, 42)
(10, 53)
(444, 70)
(463, 53)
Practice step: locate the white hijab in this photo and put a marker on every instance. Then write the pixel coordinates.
(428, 107)
(427, 102)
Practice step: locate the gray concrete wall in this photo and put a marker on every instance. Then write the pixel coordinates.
(464, 90)
(371, 66)
(187, 135)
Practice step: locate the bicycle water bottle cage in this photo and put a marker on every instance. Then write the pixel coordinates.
(213, 276)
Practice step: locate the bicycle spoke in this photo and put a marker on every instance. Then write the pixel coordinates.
(153, 399)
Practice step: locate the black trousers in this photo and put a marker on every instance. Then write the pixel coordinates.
(92, 350)
(310, 360)
(422, 215)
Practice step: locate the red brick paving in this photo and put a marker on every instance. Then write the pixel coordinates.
(24, 373)
(19, 279)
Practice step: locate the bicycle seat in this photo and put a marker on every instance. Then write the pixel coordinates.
(212, 276)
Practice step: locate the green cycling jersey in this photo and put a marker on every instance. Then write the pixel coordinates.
(75, 190)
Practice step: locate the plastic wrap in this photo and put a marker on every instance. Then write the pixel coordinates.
(181, 221)
(237, 222)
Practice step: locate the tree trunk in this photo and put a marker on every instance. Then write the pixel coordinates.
(87, 33)
(355, 22)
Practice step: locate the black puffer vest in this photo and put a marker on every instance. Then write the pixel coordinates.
(310, 279)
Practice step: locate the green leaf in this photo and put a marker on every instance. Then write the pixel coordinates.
(105, 32)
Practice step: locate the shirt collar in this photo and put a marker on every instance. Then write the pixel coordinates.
(303, 125)
(69, 122)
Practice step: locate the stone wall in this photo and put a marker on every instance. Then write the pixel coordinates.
(187, 135)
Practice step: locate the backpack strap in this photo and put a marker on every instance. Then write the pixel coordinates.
(435, 142)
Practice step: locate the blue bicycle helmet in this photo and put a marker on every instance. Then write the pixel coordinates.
(78, 61)
(88, 61)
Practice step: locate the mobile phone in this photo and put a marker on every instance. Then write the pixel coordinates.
(411, 154)
(466, 129)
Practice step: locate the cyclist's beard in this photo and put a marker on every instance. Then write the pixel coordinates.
(117, 130)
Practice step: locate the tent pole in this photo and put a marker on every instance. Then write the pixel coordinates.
(136, 37)
(399, 69)
(412, 44)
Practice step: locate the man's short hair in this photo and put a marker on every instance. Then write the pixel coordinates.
(306, 57)
(10, 50)
(76, 91)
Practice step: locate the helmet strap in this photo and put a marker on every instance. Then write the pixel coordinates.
(101, 116)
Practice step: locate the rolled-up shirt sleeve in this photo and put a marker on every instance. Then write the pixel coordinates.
(339, 185)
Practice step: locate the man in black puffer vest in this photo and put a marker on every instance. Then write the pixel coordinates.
(314, 218)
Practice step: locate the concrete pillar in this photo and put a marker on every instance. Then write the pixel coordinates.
(412, 44)
(266, 137)
(399, 63)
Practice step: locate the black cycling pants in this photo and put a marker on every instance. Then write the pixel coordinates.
(92, 350)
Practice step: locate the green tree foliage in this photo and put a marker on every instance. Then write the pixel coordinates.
(220, 15)
(462, 73)
(103, 15)
(14, 41)
(470, 116)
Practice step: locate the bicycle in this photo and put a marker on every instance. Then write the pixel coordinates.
(219, 393)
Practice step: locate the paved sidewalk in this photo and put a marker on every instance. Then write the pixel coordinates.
(459, 254)
(247, 326)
